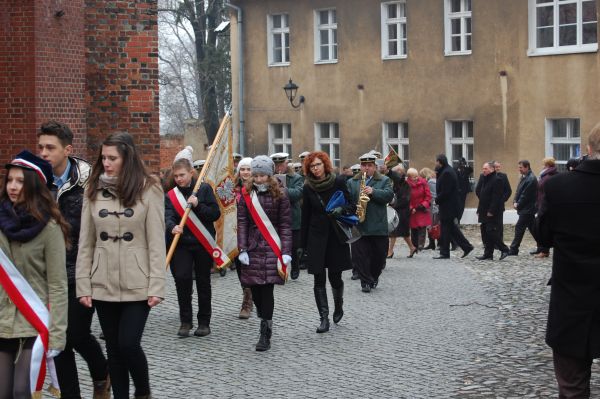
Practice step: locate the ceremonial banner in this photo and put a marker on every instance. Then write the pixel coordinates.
(218, 171)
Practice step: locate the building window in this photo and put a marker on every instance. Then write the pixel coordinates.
(459, 141)
(327, 137)
(457, 26)
(395, 135)
(279, 39)
(563, 140)
(280, 138)
(562, 26)
(393, 30)
(326, 43)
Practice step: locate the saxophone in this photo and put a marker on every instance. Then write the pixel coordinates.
(363, 199)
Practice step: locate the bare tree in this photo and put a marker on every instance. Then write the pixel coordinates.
(191, 49)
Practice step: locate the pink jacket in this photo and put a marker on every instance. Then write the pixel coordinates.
(420, 197)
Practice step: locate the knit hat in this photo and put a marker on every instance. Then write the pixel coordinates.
(186, 153)
(245, 162)
(262, 164)
(41, 167)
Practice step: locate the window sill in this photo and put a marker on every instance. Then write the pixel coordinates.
(457, 53)
(394, 57)
(279, 64)
(537, 52)
(326, 62)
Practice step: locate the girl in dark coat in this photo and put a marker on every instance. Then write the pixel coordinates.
(402, 207)
(261, 267)
(318, 238)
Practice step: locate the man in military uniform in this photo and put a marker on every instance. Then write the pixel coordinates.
(236, 159)
(293, 182)
(370, 251)
(302, 155)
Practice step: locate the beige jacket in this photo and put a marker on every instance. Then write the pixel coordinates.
(122, 257)
(41, 262)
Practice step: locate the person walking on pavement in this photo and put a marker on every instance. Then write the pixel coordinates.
(70, 177)
(568, 220)
(463, 173)
(293, 182)
(264, 240)
(369, 251)
(402, 208)
(525, 205)
(191, 260)
(448, 201)
(244, 174)
(121, 261)
(326, 254)
(489, 212)
(429, 176)
(420, 216)
(33, 236)
(547, 172)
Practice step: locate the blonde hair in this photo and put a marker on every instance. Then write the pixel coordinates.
(594, 142)
(427, 173)
(412, 172)
(549, 162)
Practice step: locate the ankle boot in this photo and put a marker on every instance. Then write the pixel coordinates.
(264, 341)
(149, 396)
(323, 307)
(102, 388)
(338, 300)
(246, 304)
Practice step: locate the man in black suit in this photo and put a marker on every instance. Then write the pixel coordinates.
(489, 212)
(568, 220)
(525, 205)
(448, 201)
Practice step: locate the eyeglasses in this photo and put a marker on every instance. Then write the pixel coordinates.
(316, 165)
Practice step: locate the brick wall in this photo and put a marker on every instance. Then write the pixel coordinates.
(122, 73)
(170, 145)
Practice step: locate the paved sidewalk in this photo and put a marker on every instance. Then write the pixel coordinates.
(432, 329)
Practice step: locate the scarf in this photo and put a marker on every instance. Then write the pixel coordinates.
(17, 224)
(321, 185)
(109, 183)
(261, 188)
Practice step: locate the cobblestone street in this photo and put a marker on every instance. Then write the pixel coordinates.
(432, 329)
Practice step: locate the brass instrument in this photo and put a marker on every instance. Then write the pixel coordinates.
(363, 199)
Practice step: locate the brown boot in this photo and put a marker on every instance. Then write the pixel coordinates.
(102, 389)
(246, 304)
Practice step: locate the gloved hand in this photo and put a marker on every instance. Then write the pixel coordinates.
(300, 253)
(244, 258)
(287, 259)
(421, 208)
(336, 212)
(52, 353)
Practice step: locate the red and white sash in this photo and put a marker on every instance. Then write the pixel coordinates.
(198, 229)
(266, 228)
(35, 312)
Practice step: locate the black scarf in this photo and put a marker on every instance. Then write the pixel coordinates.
(17, 224)
(321, 185)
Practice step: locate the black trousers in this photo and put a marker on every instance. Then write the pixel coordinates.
(123, 325)
(335, 279)
(368, 255)
(417, 237)
(263, 298)
(491, 235)
(191, 263)
(451, 232)
(295, 246)
(15, 360)
(80, 339)
(573, 376)
(525, 222)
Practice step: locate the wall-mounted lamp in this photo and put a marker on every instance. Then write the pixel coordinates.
(291, 89)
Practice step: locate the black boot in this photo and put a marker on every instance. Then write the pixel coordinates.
(431, 243)
(264, 342)
(338, 300)
(323, 307)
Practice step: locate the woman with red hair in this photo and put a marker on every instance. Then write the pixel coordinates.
(318, 238)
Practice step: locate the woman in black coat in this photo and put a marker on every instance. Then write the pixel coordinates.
(402, 207)
(318, 237)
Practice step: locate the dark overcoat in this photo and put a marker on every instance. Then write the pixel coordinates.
(526, 195)
(568, 221)
(263, 262)
(491, 198)
(318, 238)
(447, 193)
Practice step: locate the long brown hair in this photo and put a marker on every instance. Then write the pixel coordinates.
(134, 178)
(274, 189)
(38, 201)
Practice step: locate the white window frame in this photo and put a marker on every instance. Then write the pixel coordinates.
(464, 141)
(330, 27)
(570, 139)
(557, 49)
(401, 144)
(463, 16)
(285, 141)
(320, 142)
(401, 29)
(280, 32)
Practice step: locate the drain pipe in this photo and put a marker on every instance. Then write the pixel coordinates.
(242, 132)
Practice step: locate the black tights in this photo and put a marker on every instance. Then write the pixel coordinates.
(335, 279)
(15, 359)
(263, 298)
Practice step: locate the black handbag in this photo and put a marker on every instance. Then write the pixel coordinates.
(346, 233)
